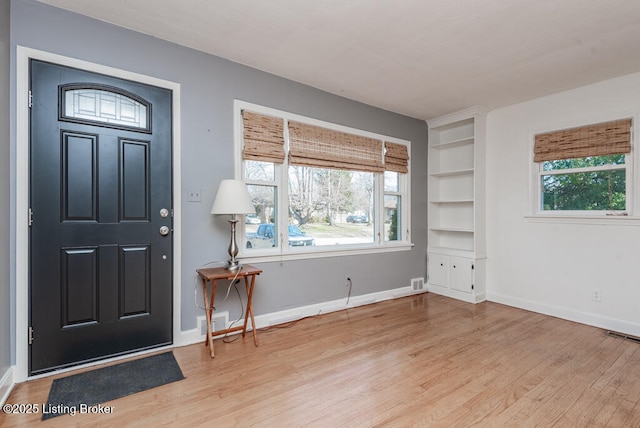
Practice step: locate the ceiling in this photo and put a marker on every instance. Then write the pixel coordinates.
(421, 58)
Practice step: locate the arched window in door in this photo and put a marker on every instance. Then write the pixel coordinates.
(104, 105)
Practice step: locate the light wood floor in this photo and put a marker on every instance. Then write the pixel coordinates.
(422, 360)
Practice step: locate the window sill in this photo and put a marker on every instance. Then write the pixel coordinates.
(318, 252)
(612, 220)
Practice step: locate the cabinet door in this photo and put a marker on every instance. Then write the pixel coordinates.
(461, 274)
(438, 270)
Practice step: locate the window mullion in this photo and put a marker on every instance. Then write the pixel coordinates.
(283, 194)
(630, 183)
(378, 203)
(282, 187)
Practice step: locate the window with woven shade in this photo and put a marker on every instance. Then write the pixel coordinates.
(319, 188)
(319, 147)
(585, 169)
(396, 157)
(263, 137)
(601, 139)
(263, 147)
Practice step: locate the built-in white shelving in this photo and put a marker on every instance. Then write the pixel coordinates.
(456, 243)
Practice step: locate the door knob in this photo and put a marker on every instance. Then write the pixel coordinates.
(164, 230)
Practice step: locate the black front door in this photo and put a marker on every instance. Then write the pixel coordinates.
(101, 217)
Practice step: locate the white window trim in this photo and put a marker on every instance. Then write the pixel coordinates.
(632, 216)
(283, 252)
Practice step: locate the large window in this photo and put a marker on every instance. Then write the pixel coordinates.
(318, 188)
(585, 170)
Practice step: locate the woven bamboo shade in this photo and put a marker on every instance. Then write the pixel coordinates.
(325, 148)
(396, 157)
(263, 137)
(601, 139)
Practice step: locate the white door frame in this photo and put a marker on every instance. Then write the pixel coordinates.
(23, 55)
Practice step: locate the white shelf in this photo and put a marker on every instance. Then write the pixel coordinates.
(451, 251)
(454, 143)
(451, 173)
(452, 201)
(452, 229)
(452, 240)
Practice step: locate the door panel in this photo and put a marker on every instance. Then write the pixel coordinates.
(79, 286)
(79, 193)
(134, 281)
(135, 176)
(100, 272)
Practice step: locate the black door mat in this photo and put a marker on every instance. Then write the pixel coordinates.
(84, 391)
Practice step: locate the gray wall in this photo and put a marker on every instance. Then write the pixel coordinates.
(5, 186)
(209, 85)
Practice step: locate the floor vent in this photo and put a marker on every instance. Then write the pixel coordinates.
(417, 284)
(624, 336)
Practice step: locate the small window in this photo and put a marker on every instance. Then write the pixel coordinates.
(104, 106)
(585, 170)
(585, 184)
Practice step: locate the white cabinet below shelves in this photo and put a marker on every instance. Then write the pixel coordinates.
(461, 274)
(438, 270)
(455, 273)
(455, 277)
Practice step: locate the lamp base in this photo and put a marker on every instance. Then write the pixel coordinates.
(233, 265)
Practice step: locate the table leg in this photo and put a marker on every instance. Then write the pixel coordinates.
(249, 288)
(208, 311)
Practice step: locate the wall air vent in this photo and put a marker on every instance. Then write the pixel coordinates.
(417, 284)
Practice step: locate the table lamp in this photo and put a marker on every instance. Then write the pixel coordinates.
(232, 198)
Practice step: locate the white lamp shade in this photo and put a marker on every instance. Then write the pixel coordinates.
(232, 198)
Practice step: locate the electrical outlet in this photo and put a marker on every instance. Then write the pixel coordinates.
(596, 295)
(194, 195)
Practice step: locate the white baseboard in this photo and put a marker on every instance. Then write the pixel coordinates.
(6, 385)
(587, 318)
(455, 294)
(189, 337)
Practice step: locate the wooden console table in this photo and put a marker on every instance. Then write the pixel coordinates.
(216, 274)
